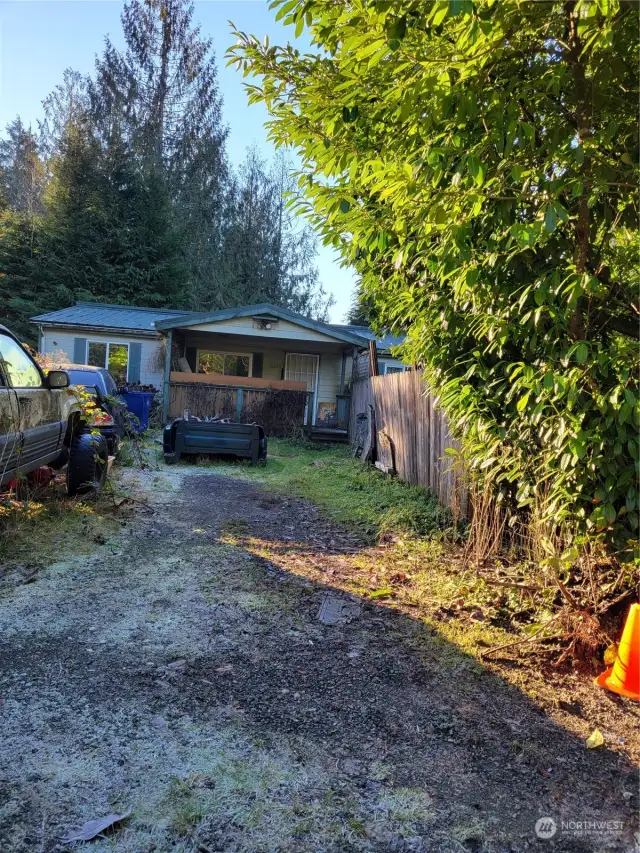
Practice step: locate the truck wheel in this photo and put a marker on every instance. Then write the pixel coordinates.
(87, 468)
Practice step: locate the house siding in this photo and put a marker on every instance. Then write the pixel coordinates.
(55, 340)
(248, 326)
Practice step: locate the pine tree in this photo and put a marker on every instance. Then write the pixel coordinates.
(67, 104)
(108, 233)
(268, 256)
(162, 91)
(22, 173)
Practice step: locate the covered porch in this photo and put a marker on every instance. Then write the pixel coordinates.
(227, 374)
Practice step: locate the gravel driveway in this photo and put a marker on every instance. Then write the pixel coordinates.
(182, 677)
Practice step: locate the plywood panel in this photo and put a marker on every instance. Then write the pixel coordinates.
(242, 381)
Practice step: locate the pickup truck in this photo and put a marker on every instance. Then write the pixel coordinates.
(41, 423)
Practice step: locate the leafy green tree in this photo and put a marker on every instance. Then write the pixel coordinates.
(477, 161)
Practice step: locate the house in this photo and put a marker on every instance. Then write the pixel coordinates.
(244, 350)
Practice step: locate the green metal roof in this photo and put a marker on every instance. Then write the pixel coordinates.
(101, 315)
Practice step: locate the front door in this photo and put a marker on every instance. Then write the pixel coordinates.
(300, 367)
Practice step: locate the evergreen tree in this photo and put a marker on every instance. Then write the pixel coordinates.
(268, 257)
(22, 173)
(67, 104)
(162, 91)
(108, 233)
(126, 194)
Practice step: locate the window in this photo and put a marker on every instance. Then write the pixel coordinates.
(224, 363)
(115, 357)
(394, 368)
(18, 366)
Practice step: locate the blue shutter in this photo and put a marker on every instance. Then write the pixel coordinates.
(135, 357)
(79, 350)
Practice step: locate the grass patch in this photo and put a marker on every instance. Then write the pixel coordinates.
(49, 525)
(358, 496)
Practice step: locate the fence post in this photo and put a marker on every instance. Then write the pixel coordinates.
(166, 386)
(373, 359)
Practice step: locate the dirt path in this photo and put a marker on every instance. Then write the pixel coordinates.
(182, 677)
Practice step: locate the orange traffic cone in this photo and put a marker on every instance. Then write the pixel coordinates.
(624, 676)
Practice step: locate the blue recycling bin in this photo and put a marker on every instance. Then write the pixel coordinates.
(139, 404)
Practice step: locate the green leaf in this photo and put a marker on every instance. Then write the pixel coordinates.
(460, 7)
(521, 405)
(396, 31)
(582, 352)
(550, 220)
(439, 13)
(381, 593)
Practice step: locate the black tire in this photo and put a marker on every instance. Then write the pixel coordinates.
(170, 459)
(87, 468)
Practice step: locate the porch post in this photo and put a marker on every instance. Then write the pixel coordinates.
(342, 373)
(239, 403)
(167, 376)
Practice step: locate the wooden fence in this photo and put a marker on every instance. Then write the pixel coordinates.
(409, 423)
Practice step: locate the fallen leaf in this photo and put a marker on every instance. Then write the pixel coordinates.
(595, 739)
(93, 828)
(381, 593)
(611, 654)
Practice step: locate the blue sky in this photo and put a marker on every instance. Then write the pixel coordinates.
(38, 40)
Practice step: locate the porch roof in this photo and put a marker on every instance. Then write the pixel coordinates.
(264, 311)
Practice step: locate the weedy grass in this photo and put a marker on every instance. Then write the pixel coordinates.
(357, 496)
(47, 524)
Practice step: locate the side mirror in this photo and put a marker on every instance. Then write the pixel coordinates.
(58, 379)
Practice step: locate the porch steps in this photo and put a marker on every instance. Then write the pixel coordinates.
(329, 434)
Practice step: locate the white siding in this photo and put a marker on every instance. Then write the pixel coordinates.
(54, 340)
(248, 326)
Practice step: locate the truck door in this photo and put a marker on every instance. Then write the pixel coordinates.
(10, 437)
(38, 407)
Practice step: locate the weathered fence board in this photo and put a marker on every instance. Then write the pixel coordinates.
(410, 420)
(361, 399)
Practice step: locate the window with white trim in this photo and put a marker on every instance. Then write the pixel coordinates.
(394, 368)
(224, 363)
(113, 356)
